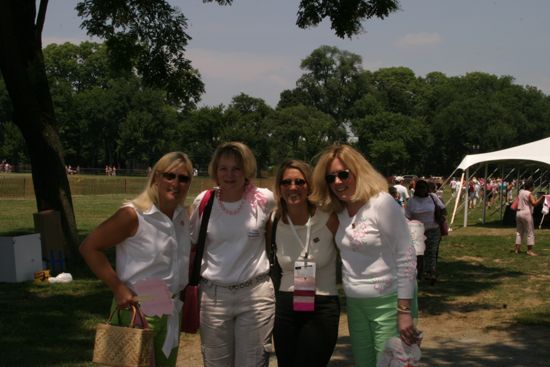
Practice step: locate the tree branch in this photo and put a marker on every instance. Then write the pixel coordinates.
(40, 20)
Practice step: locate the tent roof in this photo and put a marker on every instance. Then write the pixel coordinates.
(537, 151)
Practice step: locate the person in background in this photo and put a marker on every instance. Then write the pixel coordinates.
(402, 190)
(422, 208)
(304, 233)
(151, 237)
(378, 258)
(525, 228)
(237, 295)
(397, 197)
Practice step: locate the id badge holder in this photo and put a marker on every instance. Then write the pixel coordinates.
(304, 286)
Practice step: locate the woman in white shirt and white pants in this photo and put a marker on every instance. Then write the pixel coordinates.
(237, 295)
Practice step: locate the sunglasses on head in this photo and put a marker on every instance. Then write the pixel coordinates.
(342, 175)
(297, 182)
(171, 176)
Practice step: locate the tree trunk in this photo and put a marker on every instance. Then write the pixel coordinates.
(22, 66)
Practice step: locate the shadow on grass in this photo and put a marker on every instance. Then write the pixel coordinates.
(460, 278)
(527, 343)
(529, 348)
(50, 324)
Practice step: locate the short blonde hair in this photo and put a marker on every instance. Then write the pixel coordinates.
(168, 162)
(242, 154)
(369, 182)
(305, 169)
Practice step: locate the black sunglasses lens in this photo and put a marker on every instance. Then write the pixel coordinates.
(297, 182)
(169, 175)
(343, 175)
(183, 178)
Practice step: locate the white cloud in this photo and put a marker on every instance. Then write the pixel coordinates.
(241, 66)
(419, 39)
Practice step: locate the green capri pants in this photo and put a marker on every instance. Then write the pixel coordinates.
(371, 322)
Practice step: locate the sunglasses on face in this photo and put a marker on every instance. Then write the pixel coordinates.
(297, 182)
(171, 176)
(342, 175)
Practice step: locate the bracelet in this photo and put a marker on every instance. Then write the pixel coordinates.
(403, 309)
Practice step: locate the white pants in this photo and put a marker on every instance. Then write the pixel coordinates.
(237, 324)
(525, 228)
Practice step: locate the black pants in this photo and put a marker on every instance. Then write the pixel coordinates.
(305, 339)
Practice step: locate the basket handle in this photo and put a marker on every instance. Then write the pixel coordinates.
(136, 310)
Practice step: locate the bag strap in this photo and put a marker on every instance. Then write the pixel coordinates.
(206, 203)
(273, 248)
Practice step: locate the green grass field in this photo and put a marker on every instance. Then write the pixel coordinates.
(53, 325)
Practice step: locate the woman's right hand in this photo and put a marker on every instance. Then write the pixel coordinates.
(124, 296)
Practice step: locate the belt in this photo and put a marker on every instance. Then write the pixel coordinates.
(248, 283)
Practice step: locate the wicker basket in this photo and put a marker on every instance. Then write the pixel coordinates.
(128, 346)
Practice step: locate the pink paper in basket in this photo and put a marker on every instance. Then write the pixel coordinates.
(154, 297)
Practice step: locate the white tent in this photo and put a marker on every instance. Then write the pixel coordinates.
(536, 153)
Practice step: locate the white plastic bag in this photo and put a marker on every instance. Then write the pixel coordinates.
(61, 278)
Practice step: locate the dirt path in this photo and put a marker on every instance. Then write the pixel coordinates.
(464, 337)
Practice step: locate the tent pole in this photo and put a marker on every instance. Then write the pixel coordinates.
(485, 193)
(466, 203)
(457, 198)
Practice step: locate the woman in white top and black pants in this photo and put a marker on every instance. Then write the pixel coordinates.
(237, 295)
(306, 320)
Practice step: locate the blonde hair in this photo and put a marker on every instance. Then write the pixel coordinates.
(242, 154)
(369, 182)
(305, 169)
(150, 196)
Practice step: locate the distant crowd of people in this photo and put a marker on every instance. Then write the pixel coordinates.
(110, 170)
(5, 166)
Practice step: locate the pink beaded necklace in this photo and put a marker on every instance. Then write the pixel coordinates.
(225, 210)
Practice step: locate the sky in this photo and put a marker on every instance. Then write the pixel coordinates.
(254, 46)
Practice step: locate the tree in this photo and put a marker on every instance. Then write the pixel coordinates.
(143, 35)
(300, 132)
(394, 142)
(22, 66)
(332, 83)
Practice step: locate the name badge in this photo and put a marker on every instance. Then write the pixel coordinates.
(304, 286)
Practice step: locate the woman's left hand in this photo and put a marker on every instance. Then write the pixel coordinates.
(407, 330)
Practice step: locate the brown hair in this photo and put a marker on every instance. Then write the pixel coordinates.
(305, 169)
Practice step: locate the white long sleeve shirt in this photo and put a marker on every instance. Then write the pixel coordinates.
(378, 256)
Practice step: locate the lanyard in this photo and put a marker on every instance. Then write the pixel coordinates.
(308, 233)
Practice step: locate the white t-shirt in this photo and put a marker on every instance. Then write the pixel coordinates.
(235, 244)
(402, 190)
(378, 257)
(423, 210)
(159, 249)
(322, 251)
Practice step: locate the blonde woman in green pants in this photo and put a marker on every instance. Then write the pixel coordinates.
(378, 258)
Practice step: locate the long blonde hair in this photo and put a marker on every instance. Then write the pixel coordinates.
(369, 182)
(305, 169)
(150, 196)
